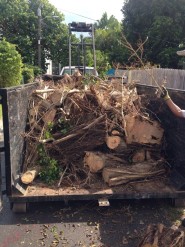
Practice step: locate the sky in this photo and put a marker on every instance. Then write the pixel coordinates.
(88, 11)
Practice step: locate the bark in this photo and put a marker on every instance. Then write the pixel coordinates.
(78, 141)
(161, 236)
(125, 174)
(139, 156)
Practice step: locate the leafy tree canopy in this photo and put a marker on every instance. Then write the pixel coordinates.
(10, 65)
(19, 25)
(164, 24)
(108, 39)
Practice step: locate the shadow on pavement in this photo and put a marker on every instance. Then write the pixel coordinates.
(83, 223)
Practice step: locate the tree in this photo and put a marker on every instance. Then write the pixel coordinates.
(19, 25)
(108, 39)
(164, 24)
(10, 65)
(102, 61)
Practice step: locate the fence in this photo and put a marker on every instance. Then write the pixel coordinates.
(175, 78)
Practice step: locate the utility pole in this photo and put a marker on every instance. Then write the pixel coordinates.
(94, 50)
(1, 33)
(39, 35)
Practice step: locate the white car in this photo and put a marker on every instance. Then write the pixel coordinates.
(88, 70)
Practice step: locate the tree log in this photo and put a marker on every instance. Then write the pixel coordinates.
(30, 175)
(79, 140)
(161, 236)
(139, 156)
(115, 141)
(142, 131)
(96, 161)
(122, 175)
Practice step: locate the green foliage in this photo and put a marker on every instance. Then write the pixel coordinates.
(50, 169)
(89, 79)
(64, 126)
(28, 74)
(36, 70)
(164, 24)
(48, 130)
(10, 65)
(19, 25)
(108, 41)
(102, 61)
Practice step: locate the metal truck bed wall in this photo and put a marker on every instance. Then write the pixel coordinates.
(15, 105)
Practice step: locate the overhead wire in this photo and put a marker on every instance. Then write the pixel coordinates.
(79, 15)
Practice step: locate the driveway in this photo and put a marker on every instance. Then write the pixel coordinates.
(83, 224)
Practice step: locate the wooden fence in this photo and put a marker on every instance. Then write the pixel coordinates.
(175, 78)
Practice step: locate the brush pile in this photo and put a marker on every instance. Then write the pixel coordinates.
(81, 128)
(162, 236)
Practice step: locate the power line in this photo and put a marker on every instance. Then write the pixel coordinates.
(79, 15)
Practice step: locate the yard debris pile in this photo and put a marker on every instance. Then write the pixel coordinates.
(162, 236)
(79, 131)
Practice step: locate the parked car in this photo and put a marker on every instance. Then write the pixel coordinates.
(88, 70)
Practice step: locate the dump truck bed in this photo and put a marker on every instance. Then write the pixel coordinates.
(15, 104)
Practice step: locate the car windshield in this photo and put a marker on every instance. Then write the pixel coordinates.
(89, 71)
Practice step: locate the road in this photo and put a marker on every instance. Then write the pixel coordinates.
(83, 224)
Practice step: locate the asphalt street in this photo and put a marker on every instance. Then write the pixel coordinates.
(83, 224)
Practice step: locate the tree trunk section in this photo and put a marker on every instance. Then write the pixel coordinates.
(161, 236)
(30, 175)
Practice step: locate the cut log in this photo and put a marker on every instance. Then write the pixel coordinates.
(115, 141)
(139, 156)
(123, 175)
(94, 161)
(44, 91)
(30, 175)
(161, 236)
(142, 131)
(121, 147)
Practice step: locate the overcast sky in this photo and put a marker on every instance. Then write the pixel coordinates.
(77, 10)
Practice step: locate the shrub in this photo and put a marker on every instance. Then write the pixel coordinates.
(10, 65)
(37, 71)
(28, 74)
